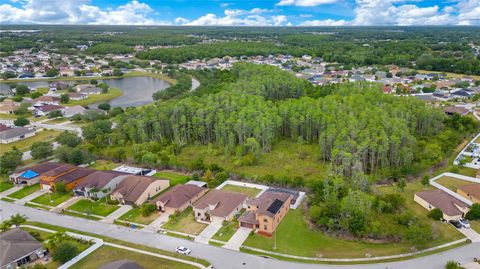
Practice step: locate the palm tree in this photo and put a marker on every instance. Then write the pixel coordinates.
(17, 220)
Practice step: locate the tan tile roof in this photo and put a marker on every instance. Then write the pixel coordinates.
(472, 190)
(178, 195)
(225, 202)
(443, 201)
(133, 186)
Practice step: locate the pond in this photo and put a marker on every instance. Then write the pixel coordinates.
(136, 90)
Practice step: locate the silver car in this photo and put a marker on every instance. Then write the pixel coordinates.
(183, 250)
(465, 223)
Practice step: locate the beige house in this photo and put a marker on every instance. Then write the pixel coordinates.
(8, 107)
(178, 198)
(15, 134)
(218, 205)
(138, 189)
(471, 192)
(451, 207)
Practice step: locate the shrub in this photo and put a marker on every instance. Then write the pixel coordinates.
(435, 214)
(147, 209)
(64, 252)
(474, 213)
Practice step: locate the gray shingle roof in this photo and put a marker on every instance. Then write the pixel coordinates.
(15, 132)
(15, 244)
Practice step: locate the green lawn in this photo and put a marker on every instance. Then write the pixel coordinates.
(8, 116)
(25, 144)
(251, 192)
(175, 178)
(135, 215)
(96, 208)
(5, 185)
(108, 254)
(97, 98)
(25, 191)
(57, 120)
(227, 231)
(53, 199)
(80, 247)
(42, 207)
(475, 224)
(285, 159)
(452, 183)
(78, 215)
(185, 223)
(104, 165)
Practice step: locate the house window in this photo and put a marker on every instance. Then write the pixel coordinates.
(265, 227)
(265, 220)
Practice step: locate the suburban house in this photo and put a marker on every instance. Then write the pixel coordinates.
(72, 178)
(19, 248)
(14, 134)
(471, 192)
(266, 212)
(71, 111)
(81, 87)
(451, 207)
(8, 107)
(450, 110)
(178, 198)
(89, 91)
(58, 85)
(98, 184)
(218, 205)
(76, 96)
(138, 189)
(48, 177)
(46, 100)
(46, 109)
(31, 175)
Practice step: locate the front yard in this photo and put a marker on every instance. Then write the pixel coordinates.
(135, 215)
(185, 223)
(52, 199)
(5, 185)
(25, 191)
(250, 192)
(227, 231)
(96, 208)
(452, 183)
(175, 178)
(475, 224)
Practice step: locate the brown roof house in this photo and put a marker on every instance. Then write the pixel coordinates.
(31, 175)
(48, 178)
(138, 189)
(218, 205)
(266, 212)
(471, 192)
(98, 184)
(72, 178)
(451, 207)
(450, 110)
(178, 198)
(18, 248)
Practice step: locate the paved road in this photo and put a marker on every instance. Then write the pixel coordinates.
(220, 257)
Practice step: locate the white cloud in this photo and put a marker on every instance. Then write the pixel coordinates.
(241, 17)
(76, 12)
(469, 12)
(305, 3)
(180, 20)
(328, 22)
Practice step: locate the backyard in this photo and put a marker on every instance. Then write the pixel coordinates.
(25, 144)
(25, 191)
(452, 183)
(52, 199)
(97, 98)
(175, 178)
(104, 165)
(135, 215)
(250, 192)
(95, 208)
(107, 254)
(185, 223)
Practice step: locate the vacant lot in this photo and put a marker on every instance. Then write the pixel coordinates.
(104, 165)
(25, 191)
(185, 223)
(452, 183)
(250, 192)
(175, 178)
(52, 199)
(25, 144)
(135, 215)
(107, 254)
(95, 208)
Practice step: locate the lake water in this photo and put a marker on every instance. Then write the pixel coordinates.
(136, 90)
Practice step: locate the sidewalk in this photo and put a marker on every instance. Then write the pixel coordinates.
(30, 197)
(158, 222)
(10, 191)
(117, 213)
(66, 204)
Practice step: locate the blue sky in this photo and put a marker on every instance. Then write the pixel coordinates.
(242, 13)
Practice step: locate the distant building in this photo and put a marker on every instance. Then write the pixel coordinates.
(15, 134)
(71, 111)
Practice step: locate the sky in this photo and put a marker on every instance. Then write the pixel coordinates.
(242, 12)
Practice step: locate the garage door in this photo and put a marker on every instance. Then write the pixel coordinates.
(246, 225)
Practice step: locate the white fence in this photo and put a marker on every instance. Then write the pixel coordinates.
(452, 193)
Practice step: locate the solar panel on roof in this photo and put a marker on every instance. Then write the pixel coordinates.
(275, 206)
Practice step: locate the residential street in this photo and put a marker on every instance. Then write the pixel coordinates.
(220, 257)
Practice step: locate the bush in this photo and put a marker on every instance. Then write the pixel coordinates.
(452, 265)
(21, 121)
(147, 209)
(435, 214)
(474, 213)
(64, 252)
(55, 114)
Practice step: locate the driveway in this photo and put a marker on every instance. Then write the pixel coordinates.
(158, 222)
(66, 204)
(224, 258)
(236, 241)
(470, 234)
(208, 232)
(30, 197)
(10, 191)
(117, 213)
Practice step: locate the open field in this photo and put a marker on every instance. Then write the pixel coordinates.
(175, 178)
(452, 183)
(108, 254)
(185, 223)
(52, 199)
(25, 191)
(250, 192)
(25, 144)
(95, 208)
(286, 159)
(135, 215)
(104, 165)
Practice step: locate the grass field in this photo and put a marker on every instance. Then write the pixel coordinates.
(250, 192)
(97, 98)
(286, 159)
(185, 223)
(452, 183)
(25, 191)
(53, 199)
(108, 254)
(95, 208)
(5, 185)
(25, 144)
(57, 120)
(8, 116)
(78, 215)
(475, 224)
(42, 207)
(226, 232)
(135, 215)
(175, 178)
(104, 165)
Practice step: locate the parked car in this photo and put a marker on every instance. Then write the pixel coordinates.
(183, 250)
(464, 223)
(456, 223)
(161, 231)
